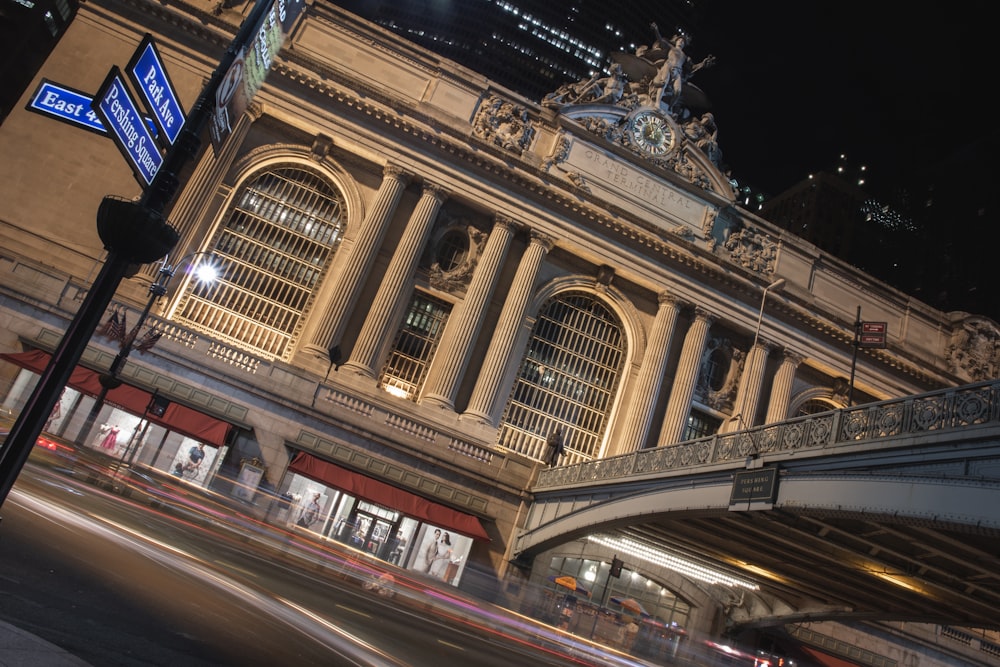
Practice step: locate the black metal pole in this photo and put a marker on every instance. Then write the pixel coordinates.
(29, 423)
(854, 360)
(110, 380)
(138, 238)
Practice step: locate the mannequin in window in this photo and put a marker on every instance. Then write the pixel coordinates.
(110, 439)
(443, 557)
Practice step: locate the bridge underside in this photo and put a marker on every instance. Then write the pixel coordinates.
(830, 547)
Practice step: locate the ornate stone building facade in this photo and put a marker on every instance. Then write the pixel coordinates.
(427, 280)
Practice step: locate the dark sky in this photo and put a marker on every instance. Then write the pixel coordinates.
(897, 86)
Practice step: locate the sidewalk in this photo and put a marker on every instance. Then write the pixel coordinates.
(21, 649)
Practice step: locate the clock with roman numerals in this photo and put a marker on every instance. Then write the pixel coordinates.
(651, 133)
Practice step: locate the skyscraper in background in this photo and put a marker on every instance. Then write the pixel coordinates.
(533, 47)
(528, 46)
(29, 30)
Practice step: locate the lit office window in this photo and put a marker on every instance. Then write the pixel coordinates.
(406, 367)
(700, 425)
(567, 380)
(280, 232)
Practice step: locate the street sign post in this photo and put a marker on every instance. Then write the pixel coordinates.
(65, 104)
(120, 115)
(252, 62)
(151, 80)
(872, 334)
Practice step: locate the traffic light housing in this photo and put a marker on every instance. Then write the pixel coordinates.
(158, 405)
(616, 567)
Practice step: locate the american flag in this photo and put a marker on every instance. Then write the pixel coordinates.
(148, 340)
(130, 338)
(114, 328)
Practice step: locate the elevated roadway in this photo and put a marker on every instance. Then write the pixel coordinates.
(887, 511)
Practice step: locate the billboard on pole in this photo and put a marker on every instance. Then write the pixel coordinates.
(247, 73)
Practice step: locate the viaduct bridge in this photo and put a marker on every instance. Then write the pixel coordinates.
(886, 512)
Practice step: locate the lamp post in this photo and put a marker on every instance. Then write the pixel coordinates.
(133, 232)
(205, 272)
(736, 422)
(773, 287)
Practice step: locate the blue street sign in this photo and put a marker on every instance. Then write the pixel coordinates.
(150, 77)
(120, 114)
(65, 104)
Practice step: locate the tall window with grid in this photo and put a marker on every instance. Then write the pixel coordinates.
(568, 380)
(280, 233)
(406, 368)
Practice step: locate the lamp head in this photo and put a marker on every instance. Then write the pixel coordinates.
(776, 285)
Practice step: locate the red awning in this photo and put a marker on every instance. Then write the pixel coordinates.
(827, 660)
(387, 495)
(177, 417)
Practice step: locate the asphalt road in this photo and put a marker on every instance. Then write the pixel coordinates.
(117, 583)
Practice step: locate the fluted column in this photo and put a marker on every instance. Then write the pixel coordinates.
(679, 405)
(382, 317)
(339, 294)
(650, 380)
(452, 356)
(748, 394)
(484, 396)
(781, 389)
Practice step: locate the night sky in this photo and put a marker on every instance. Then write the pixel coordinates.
(897, 86)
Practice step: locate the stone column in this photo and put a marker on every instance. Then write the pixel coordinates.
(452, 358)
(748, 394)
(491, 375)
(338, 294)
(679, 405)
(650, 380)
(781, 389)
(383, 316)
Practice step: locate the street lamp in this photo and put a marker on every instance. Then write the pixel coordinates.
(204, 272)
(773, 287)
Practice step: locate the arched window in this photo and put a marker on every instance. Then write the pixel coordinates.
(567, 380)
(280, 232)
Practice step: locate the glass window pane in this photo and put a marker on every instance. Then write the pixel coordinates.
(568, 380)
(405, 369)
(280, 233)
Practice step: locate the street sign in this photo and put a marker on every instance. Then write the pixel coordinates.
(872, 334)
(150, 77)
(754, 486)
(65, 104)
(70, 106)
(120, 114)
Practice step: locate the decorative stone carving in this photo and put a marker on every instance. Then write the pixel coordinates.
(559, 153)
(752, 249)
(719, 373)
(453, 253)
(649, 84)
(974, 349)
(504, 124)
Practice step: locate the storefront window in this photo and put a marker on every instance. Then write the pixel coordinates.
(379, 531)
(121, 434)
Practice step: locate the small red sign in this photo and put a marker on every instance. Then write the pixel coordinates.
(872, 334)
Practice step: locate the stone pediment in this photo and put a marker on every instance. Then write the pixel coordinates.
(640, 131)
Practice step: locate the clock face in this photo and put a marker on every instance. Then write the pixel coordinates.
(651, 133)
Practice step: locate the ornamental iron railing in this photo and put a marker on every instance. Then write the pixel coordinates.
(874, 425)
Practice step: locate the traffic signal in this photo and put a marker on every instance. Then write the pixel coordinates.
(616, 567)
(158, 405)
